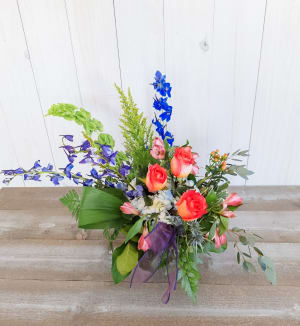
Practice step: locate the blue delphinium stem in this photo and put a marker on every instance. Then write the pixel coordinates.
(161, 104)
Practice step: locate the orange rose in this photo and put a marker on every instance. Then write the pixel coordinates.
(182, 162)
(156, 178)
(191, 205)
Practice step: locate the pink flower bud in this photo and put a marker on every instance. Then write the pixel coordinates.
(227, 213)
(143, 244)
(232, 200)
(128, 208)
(158, 149)
(219, 239)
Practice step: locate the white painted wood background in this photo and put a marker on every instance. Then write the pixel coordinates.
(234, 67)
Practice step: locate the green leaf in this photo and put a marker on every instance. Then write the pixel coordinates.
(80, 116)
(238, 257)
(100, 209)
(258, 251)
(72, 201)
(236, 229)
(135, 229)
(243, 240)
(128, 259)
(106, 139)
(211, 198)
(243, 172)
(116, 275)
(223, 227)
(248, 267)
(212, 231)
(267, 266)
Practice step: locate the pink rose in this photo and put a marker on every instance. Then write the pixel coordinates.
(158, 149)
(232, 200)
(143, 244)
(183, 162)
(219, 239)
(128, 208)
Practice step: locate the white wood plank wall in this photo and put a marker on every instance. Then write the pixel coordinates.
(234, 67)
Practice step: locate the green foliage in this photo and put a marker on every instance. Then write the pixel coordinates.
(78, 115)
(188, 272)
(267, 266)
(106, 139)
(127, 260)
(72, 201)
(100, 209)
(116, 275)
(136, 132)
(135, 229)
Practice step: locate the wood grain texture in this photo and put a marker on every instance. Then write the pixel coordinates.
(67, 260)
(275, 136)
(91, 302)
(272, 226)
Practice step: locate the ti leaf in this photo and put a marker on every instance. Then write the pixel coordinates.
(135, 229)
(100, 209)
(72, 201)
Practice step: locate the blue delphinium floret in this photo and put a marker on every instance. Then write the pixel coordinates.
(67, 170)
(56, 178)
(160, 84)
(88, 182)
(124, 169)
(68, 137)
(48, 168)
(94, 173)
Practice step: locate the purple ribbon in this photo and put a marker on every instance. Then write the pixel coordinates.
(161, 239)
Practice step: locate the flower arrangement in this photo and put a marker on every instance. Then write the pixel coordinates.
(152, 194)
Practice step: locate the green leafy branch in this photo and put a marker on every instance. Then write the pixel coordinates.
(188, 272)
(248, 239)
(72, 201)
(79, 115)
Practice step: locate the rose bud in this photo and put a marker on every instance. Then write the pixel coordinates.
(143, 244)
(158, 149)
(219, 239)
(232, 200)
(156, 178)
(227, 213)
(182, 162)
(191, 205)
(128, 208)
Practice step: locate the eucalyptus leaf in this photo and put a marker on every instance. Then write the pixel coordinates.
(267, 266)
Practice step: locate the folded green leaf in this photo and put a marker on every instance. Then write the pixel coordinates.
(100, 209)
(135, 229)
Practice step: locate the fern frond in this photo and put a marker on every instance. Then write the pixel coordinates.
(72, 201)
(136, 132)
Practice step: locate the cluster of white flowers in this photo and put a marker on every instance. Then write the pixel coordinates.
(162, 202)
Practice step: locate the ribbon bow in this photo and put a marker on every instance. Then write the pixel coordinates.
(161, 239)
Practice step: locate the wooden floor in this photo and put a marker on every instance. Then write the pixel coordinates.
(51, 273)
